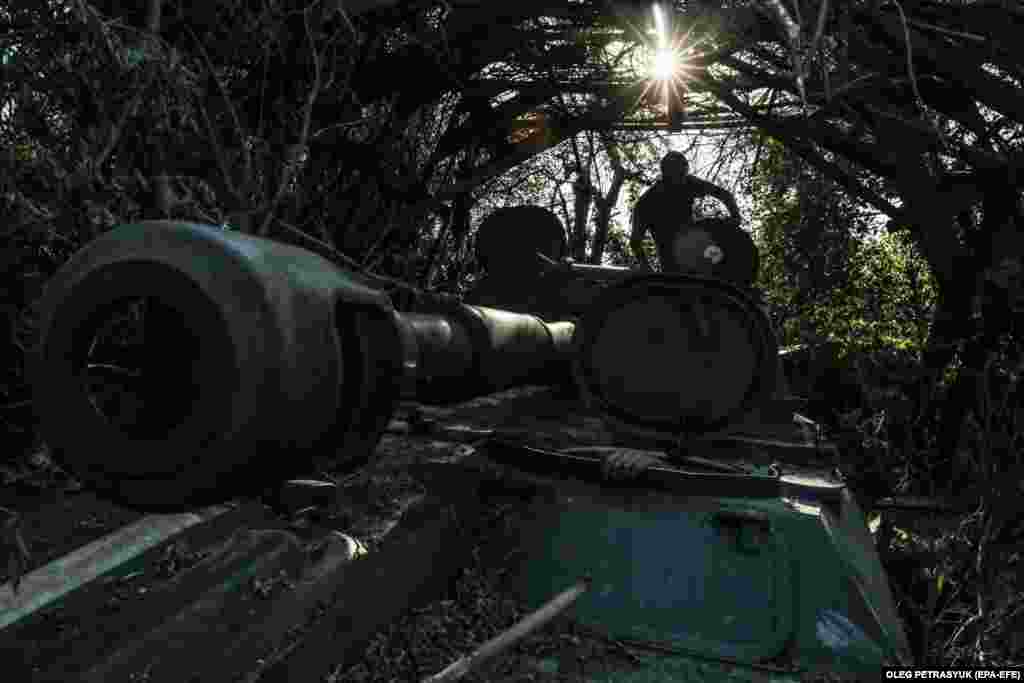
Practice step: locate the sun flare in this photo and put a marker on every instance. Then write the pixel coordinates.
(664, 65)
(664, 62)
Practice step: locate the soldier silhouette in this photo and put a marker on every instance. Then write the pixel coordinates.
(709, 247)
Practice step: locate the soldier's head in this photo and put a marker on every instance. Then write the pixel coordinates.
(674, 167)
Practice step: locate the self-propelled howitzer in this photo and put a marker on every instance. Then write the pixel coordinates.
(182, 364)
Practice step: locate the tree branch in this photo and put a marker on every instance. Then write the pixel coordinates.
(215, 138)
(517, 632)
(296, 153)
(968, 73)
(806, 152)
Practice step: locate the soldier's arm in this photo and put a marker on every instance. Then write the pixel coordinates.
(636, 238)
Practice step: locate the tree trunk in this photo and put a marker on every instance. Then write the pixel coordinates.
(429, 271)
(162, 198)
(603, 217)
(954, 317)
(460, 228)
(582, 199)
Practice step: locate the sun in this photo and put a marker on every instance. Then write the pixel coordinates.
(664, 65)
(665, 62)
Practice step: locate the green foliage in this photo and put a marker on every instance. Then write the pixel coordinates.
(617, 251)
(827, 271)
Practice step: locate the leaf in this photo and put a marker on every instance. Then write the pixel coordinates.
(132, 56)
(24, 152)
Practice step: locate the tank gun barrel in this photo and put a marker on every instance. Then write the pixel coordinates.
(182, 364)
(244, 360)
(468, 351)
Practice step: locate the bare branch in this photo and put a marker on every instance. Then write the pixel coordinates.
(910, 58)
(822, 17)
(117, 129)
(239, 130)
(519, 630)
(297, 152)
(326, 249)
(807, 152)
(153, 11)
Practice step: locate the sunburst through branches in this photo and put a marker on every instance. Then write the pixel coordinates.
(666, 68)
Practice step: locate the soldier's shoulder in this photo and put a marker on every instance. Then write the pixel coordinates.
(699, 182)
(652, 193)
